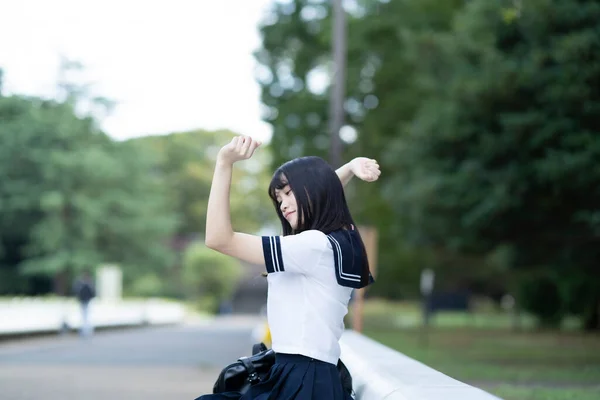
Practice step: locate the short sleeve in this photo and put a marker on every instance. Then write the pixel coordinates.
(293, 253)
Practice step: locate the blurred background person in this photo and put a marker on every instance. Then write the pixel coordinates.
(85, 290)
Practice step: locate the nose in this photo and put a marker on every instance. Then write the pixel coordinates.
(283, 208)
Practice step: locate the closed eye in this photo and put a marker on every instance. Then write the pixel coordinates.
(286, 191)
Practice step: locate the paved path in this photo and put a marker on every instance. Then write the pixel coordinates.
(179, 362)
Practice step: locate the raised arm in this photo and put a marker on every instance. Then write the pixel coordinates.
(219, 232)
(344, 173)
(364, 168)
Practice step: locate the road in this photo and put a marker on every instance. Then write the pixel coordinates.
(175, 362)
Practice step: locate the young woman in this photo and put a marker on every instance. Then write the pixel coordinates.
(312, 269)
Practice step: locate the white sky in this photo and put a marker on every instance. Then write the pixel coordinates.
(171, 65)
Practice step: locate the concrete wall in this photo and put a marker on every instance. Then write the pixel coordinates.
(379, 373)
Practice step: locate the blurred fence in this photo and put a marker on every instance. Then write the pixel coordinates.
(38, 315)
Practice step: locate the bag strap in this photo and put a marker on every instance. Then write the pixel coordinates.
(253, 377)
(258, 348)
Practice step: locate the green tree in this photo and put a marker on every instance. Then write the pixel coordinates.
(295, 49)
(381, 97)
(71, 198)
(482, 115)
(501, 148)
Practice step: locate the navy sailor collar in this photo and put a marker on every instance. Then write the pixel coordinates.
(349, 258)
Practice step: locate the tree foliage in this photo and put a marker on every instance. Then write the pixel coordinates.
(483, 117)
(71, 198)
(501, 151)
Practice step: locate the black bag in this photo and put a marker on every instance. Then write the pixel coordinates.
(248, 371)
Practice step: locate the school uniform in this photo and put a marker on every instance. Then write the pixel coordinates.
(311, 277)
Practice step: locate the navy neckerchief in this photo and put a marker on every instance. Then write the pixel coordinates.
(348, 257)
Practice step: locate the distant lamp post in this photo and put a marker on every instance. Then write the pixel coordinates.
(427, 285)
(427, 281)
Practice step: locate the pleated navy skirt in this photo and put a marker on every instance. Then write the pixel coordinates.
(293, 377)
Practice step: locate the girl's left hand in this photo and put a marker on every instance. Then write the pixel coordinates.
(366, 169)
(240, 148)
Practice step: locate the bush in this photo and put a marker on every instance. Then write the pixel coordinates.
(541, 296)
(209, 277)
(149, 285)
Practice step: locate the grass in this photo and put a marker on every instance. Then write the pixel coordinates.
(483, 351)
(511, 392)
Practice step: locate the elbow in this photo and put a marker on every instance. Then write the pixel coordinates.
(211, 243)
(216, 243)
(211, 238)
(217, 240)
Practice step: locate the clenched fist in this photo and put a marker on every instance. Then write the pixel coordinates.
(240, 148)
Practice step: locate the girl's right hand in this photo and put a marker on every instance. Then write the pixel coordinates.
(240, 148)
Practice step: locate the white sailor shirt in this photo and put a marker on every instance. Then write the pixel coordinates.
(307, 293)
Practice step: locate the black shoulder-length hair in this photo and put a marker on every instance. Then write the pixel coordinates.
(320, 199)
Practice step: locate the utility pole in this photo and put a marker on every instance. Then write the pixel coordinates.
(336, 100)
(336, 121)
